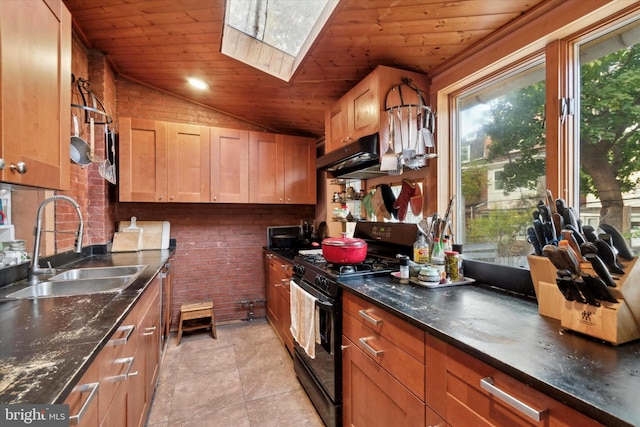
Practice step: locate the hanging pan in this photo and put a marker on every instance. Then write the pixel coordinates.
(79, 150)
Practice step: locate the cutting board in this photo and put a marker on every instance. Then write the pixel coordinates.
(155, 234)
(129, 241)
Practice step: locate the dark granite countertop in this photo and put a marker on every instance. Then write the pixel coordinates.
(506, 332)
(46, 344)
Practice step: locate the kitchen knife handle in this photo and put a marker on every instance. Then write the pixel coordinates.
(561, 206)
(537, 226)
(488, 385)
(576, 234)
(599, 288)
(589, 233)
(618, 241)
(570, 257)
(533, 239)
(568, 235)
(605, 252)
(586, 291)
(600, 269)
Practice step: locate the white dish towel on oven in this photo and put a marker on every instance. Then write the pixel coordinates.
(303, 318)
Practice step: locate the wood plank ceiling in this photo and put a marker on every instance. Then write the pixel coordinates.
(160, 43)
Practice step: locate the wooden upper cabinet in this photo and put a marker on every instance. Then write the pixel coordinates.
(299, 170)
(35, 100)
(266, 156)
(360, 111)
(363, 112)
(188, 163)
(336, 122)
(143, 160)
(229, 165)
(172, 162)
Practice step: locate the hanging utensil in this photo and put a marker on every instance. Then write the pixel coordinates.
(92, 140)
(79, 149)
(389, 160)
(397, 170)
(111, 171)
(408, 153)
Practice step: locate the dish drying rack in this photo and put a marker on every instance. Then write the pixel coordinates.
(411, 126)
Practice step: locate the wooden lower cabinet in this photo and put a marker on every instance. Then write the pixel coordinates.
(278, 297)
(384, 383)
(372, 396)
(125, 371)
(383, 367)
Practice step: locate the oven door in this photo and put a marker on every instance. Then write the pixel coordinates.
(326, 367)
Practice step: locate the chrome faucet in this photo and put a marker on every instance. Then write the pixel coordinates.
(35, 268)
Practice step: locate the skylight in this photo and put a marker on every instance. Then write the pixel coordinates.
(273, 35)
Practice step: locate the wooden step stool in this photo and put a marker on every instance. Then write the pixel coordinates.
(195, 311)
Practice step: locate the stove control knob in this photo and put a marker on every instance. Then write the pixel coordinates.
(322, 282)
(298, 269)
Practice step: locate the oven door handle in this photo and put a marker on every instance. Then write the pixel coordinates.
(325, 305)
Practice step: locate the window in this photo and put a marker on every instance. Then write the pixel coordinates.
(501, 124)
(273, 35)
(609, 137)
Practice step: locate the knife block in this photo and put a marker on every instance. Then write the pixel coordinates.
(616, 323)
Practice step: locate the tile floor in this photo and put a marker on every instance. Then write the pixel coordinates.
(244, 378)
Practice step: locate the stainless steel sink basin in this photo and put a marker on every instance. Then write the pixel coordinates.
(61, 288)
(82, 281)
(98, 272)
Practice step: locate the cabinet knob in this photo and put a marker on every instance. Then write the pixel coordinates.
(215, 198)
(161, 197)
(3, 164)
(20, 167)
(171, 197)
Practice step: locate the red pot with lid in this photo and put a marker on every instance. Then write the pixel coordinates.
(344, 250)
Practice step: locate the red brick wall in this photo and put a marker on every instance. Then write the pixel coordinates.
(219, 253)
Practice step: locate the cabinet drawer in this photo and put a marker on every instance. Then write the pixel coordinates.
(407, 337)
(397, 362)
(470, 403)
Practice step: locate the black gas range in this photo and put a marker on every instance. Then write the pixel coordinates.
(321, 375)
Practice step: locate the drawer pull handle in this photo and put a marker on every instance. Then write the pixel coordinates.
(128, 373)
(365, 344)
(368, 318)
(92, 388)
(152, 330)
(487, 384)
(121, 341)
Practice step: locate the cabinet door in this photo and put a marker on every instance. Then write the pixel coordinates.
(336, 124)
(188, 163)
(299, 170)
(363, 107)
(229, 165)
(372, 397)
(266, 157)
(35, 98)
(150, 332)
(143, 161)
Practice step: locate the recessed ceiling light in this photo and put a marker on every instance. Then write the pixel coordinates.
(197, 83)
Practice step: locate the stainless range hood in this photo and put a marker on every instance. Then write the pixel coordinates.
(358, 160)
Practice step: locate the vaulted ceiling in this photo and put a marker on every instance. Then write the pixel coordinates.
(162, 42)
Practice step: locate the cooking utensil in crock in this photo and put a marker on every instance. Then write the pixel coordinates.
(92, 140)
(344, 250)
(79, 151)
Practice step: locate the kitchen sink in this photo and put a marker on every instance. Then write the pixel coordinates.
(60, 288)
(98, 272)
(82, 281)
